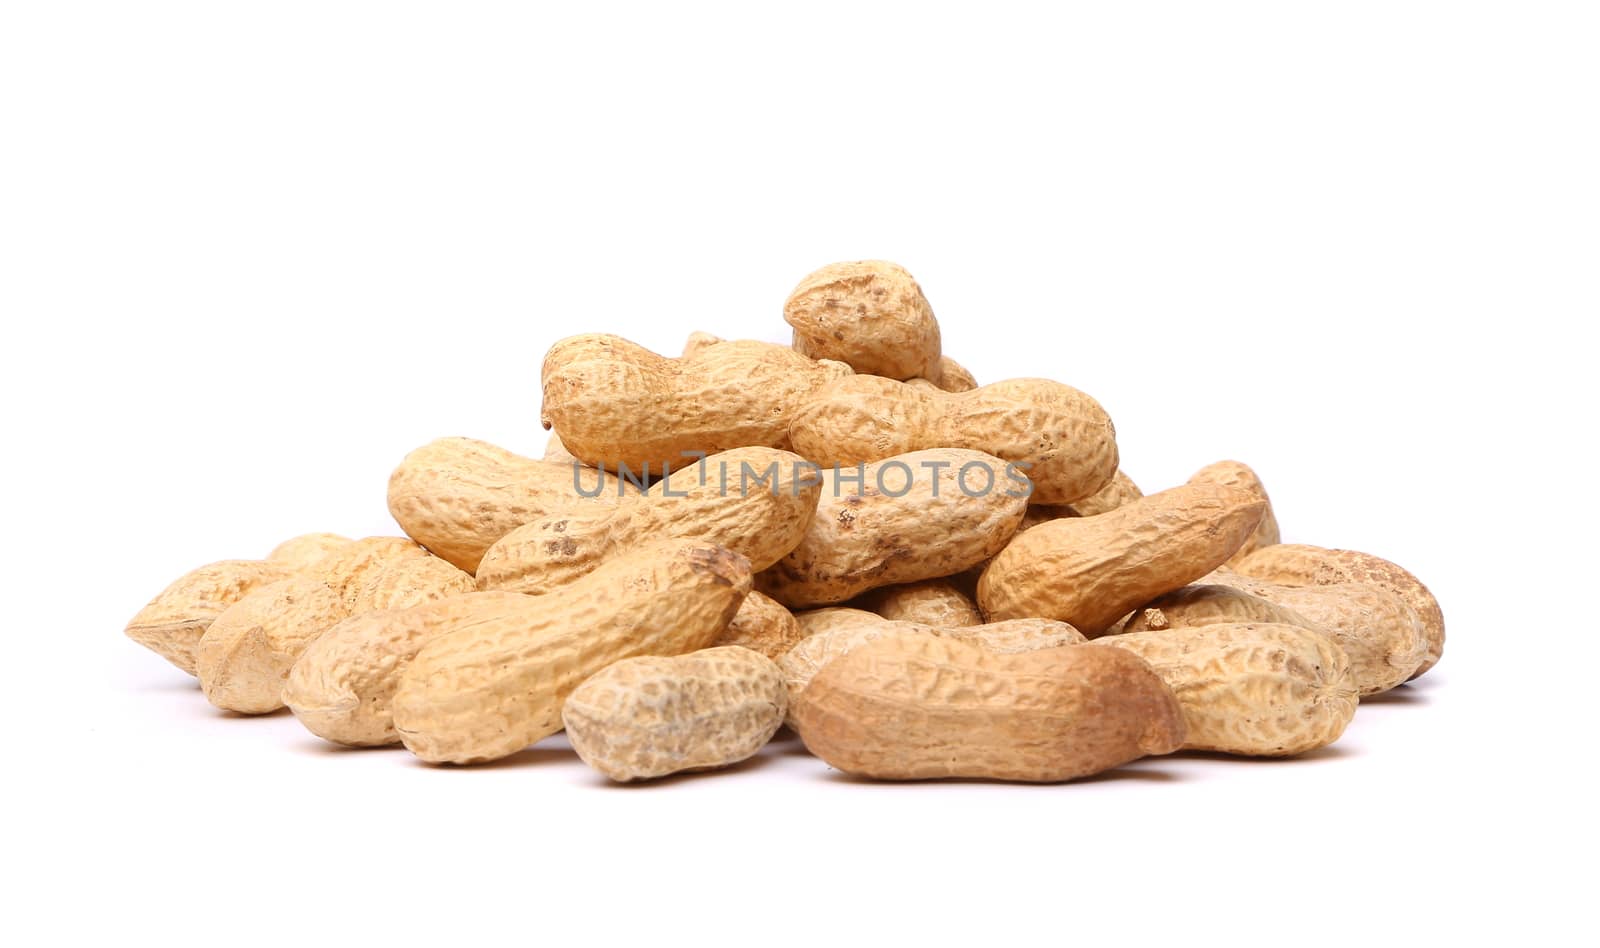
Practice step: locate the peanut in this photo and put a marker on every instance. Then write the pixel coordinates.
(1092, 571)
(763, 625)
(1255, 689)
(757, 502)
(1375, 627)
(1118, 491)
(615, 403)
(305, 550)
(457, 496)
(172, 624)
(1061, 437)
(916, 516)
(849, 629)
(926, 707)
(815, 621)
(247, 652)
(868, 314)
(1301, 565)
(931, 602)
(487, 691)
(953, 376)
(342, 687)
(1239, 476)
(652, 716)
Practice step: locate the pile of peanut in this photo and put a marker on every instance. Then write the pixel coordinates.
(921, 576)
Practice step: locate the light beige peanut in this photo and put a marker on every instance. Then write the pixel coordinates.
(1092, 571)
(757, 502)
(247, 652)
(912, 517)
(652, 716)
(616, 403)
(813, 621)
(1118, 491)
(554, 450)
(457, 496)
(698, 342)
(1205, 604)
(1380, 633)
(927, 707)
(763, 625)
(305, 550)
(1061, 438)
(868, 314)
(1239, 476)
(1255, 689)
(1294, 564)
(848, 629)
(936, 602)
(953, 376)
(342, 686)
(485, 692)
(172, 624)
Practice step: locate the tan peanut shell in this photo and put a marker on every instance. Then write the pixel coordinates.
(652, 716)
(342, 687)
(172, 624)
(813, 621)
(554, 450)
(953, 376)
(1240, 476)
(906, 519)
(1295, 564)
(488, 691)
(698, 342)
(1205, 604)
(1255, 689)
(926, 707)
(757, 502)
(305, 550)
(457, 496)
(1062, 438)
(1381, 634)
(247, 652)
(868, 314)
(614, 402)
(763, 625)
(936, 602)
(849, 629)
(1092, 571)
(1118, 491)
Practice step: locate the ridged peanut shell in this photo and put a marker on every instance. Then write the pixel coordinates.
(342, 687)
(814, 621)
(172, 624)
(1062, 438)
(1294, 564)
(936, 602)
(652, 716)
(926, 707)
(908, 520)
(1092, 571)
(1118, 491)
(757, 502)
(763, 625)
(306, 549)
(1240, 476)
(485, 692)
(868, 314)
(614, 402)
(1254, 689)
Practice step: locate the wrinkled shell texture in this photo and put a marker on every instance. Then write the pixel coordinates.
(763, 625)
(1254, 689)
(1092, 571)
(1375, 627)
(305, 550)
(245, 656)
(1211, 605)
(757, 502)
(848, 629)
(1063, 437)
(652, 716)
(172, 624)
(919, 527)
(342, 687)
(925, 707)
(954, 377)
(457, 496)
(815, 621)
(1240, 476)
(1118, 491)
(1302, 565)
(868, 314)
(934, 602)
(614, 402)
(485, 692)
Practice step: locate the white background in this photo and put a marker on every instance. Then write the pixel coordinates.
(250, 257)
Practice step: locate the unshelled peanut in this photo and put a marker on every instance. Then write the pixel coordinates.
(652, 716)
(172, 624)
(868, 314)
(1239, 476)
(936, 602)
(763, 625)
